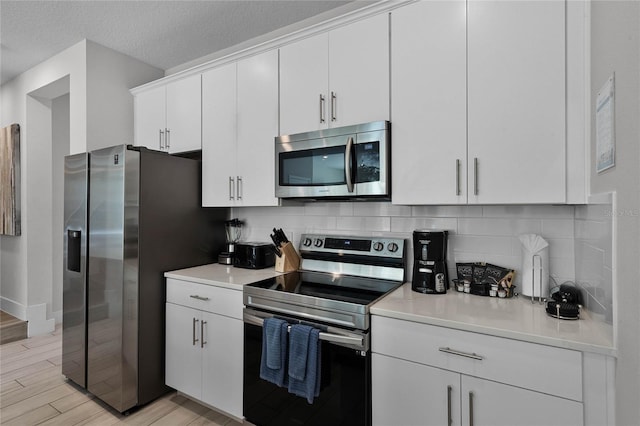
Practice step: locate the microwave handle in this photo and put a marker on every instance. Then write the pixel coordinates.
(348, 169)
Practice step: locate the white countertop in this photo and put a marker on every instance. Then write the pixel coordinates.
(222, 275)
(515, 318)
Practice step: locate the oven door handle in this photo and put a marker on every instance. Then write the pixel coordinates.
(325, 336)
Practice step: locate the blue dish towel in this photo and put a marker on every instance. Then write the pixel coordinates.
(304, 362)
(273, 361)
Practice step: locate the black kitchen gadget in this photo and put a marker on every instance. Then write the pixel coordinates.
(254, 255)
(565, 302)
(430, 262)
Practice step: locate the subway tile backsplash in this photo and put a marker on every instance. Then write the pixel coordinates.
(477, 233)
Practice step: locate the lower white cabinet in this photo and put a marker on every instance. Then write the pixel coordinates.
(409, 393)
(204, 349)
(429, 375)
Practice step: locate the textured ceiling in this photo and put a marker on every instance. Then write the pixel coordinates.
(164, 34)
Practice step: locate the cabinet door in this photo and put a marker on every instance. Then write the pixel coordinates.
(183, 354)
(150, 119)
(303, 82)
(359, 72)
(257, 127)
(407, 393)
(516, 101)
(184, 115)
(495, 404)
(429, 108)
(222, 363)
(219, 136)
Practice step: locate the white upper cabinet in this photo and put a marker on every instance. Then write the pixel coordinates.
(478, 105)
(240, 111)
(516, 100)
(337, 78)
(184, 115)
(429, 109)
(168, 118)
(219, 136)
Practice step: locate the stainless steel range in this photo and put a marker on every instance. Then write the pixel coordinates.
(340, 278)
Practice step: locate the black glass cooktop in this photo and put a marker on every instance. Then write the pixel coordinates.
(344, 288)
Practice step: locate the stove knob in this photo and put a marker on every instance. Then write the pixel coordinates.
(392, 247)
(317, 242)
(378, 246)
(306, 242)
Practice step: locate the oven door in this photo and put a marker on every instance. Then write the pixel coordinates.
(345, 390)
(334, 163)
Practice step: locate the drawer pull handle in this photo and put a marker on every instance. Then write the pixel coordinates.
(460, 353)
(195, 296)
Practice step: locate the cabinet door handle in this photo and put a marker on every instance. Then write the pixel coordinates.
(475, 176)
(160, 137)
(167, 142)
(202, 342)
(239, 188)
(457, 177)
(322, 108)
(470, 408)
(460, 353)
(449, 419)
(195, 339)
(195, 296)
(334, 98)
(231, 185)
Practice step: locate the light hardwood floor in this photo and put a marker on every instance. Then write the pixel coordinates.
(34, 392)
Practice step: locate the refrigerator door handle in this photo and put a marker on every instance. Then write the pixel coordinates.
(74, 243)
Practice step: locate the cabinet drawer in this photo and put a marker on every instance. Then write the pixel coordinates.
(218, 300)
(542, 368)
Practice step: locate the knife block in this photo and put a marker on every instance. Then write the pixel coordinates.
(289, 261)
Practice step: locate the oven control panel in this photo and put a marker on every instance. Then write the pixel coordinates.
(366, 246)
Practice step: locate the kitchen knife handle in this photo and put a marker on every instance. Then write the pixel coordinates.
(321, 108)
(334, 98)
(470, 408)
(231, 185)
(449, 419)
(195, 339)
(457, 176)
(202, 342)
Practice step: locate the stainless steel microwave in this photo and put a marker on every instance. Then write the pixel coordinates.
(343, 162)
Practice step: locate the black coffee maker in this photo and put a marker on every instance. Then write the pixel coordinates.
(430, 262)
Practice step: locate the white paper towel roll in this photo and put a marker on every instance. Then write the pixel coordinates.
(535, 266)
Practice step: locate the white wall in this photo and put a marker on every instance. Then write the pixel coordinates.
(22, 274)
(100, 113)
(615, 47)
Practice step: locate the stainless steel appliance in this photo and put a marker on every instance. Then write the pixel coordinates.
(343, 162)
(340, 277)
(129, 215)
(430, 262)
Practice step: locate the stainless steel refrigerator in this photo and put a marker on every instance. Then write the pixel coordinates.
(131, 214)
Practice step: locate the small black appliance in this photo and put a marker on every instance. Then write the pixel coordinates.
(430, 262)
(565, 302)
(254, 255)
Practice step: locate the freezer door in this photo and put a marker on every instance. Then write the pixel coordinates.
(74, 270)
(112, 360)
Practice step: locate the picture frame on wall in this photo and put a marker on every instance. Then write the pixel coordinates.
(10, 180)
